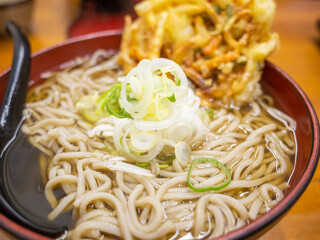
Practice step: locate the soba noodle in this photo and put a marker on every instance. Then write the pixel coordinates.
(256, 143)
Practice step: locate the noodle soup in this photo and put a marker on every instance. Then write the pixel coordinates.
(179, 170)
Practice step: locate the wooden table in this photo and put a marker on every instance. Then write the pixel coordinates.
(299, 56)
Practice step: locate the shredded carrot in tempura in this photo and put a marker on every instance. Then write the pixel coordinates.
(221, 45)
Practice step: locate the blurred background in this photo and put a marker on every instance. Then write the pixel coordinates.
(49, 22)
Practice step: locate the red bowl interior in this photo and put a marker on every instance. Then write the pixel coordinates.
(287, 94)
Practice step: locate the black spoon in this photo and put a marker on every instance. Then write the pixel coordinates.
(20, 195)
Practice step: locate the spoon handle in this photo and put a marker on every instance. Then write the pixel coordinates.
(16, 91)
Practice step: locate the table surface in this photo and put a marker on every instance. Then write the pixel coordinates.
(299, 56)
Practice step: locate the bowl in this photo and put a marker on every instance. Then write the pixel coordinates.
(288, 96)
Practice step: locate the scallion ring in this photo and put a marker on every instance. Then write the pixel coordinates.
(110, 101)
(212, 188)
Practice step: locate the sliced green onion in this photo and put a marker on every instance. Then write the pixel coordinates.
(178, 82)
(182, 151)
(113, 107)
(108, 94)
(172, 98)
(87, 108)
(171, 159)
(132, 99)
(143, 141)
(212, 188)
(142, 165)
(163, 165)
(110, 101)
